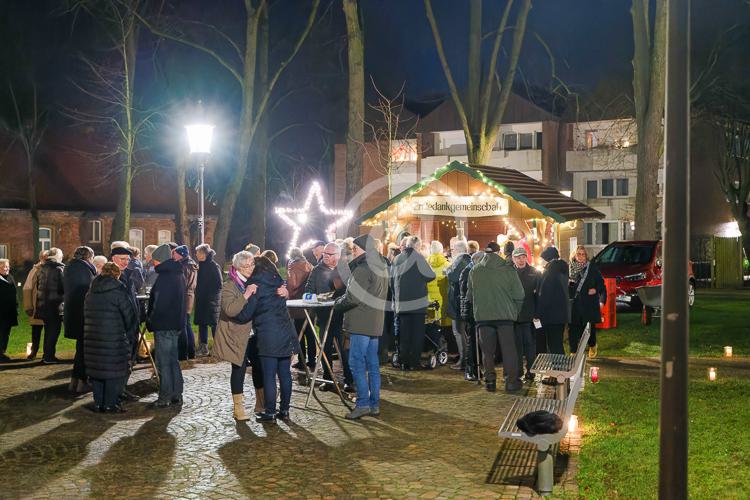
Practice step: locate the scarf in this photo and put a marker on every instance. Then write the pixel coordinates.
(238, 279)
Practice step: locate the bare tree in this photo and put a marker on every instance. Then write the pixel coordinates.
(113, 107)
(733, 173)
(482, 108)
(355, 135)
(27, 129)
(242, 65)
(390, 133)
(649, 65)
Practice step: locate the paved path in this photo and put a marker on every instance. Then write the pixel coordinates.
(436, 438)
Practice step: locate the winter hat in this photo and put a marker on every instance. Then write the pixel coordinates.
(182, 251)
(520, 251)
(121, 251)
(492, 247)
(162, 253)
(318, 243)
(550, 253)
(364, 242)
(539, 422)
(508, 247)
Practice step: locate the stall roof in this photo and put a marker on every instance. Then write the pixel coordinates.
(518, 186)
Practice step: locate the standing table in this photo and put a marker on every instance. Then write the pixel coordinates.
(321, 356)
(142, 342)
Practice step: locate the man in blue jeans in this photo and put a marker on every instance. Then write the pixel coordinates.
(363, 306)
(166, 318)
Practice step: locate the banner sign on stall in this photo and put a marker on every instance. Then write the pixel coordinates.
(459, 206)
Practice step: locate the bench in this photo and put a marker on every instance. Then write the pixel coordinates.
(546, 444)
(562, 366)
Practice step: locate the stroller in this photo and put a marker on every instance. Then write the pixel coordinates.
(434, 341)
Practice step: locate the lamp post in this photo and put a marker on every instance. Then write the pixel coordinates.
(199, 138)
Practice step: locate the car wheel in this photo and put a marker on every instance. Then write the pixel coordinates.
(691, 294)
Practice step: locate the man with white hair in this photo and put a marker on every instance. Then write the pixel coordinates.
(461, 259)
(325, 278)
(149, 274)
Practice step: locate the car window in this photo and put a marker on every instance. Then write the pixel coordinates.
(631, 254)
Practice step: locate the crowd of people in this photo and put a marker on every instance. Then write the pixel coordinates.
(490, 302)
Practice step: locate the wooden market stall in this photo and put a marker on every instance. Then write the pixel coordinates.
(484, 204)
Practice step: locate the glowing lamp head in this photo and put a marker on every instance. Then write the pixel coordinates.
(200, 137)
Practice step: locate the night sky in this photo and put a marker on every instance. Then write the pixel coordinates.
(590, 41)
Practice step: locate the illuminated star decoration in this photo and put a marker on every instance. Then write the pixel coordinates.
(297, 217)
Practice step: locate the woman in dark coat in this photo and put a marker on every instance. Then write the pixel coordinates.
(49, 296)
(207, 296)
(108, 317)
(77, 279)
(277, 341)
(588, 291)
(553, 306)
(8, 307)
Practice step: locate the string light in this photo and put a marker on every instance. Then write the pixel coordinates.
(296, 217)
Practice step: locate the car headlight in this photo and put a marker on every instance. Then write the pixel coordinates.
(635, 277)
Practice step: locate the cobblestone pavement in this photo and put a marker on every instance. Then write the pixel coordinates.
(436, 438)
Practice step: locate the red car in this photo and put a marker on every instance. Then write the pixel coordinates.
(635, 264)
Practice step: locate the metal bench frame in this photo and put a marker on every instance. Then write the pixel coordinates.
(562, 366)
(546, 443)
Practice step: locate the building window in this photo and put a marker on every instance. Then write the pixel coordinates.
(526, 141)
(135, 238)
(601, 233)
(622, 187)
(510, 141)
(164, 236)
(45, 238)
(4, 252)
(608, 187)
(538, 141)
(95, 231)
(592, 189)
(591, 140)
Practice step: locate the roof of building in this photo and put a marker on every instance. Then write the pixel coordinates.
(518, 186)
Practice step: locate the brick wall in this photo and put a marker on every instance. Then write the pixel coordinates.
(73, 229)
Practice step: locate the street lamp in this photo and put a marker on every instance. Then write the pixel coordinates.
(199, 138)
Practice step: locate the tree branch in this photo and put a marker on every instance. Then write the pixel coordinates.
(484, 104)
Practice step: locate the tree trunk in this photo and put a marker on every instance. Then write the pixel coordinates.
(33, 209)
(745, 231)
(247, 130)
(648, 86)
(356, 100)
(121, 222)
(182, 225)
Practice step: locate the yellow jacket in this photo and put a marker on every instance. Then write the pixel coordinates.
(437, 289)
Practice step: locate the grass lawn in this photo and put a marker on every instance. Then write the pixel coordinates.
(619, 455)
(718, 318)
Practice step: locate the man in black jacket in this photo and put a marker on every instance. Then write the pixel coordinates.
(525, 340)
(467, 314)
(49, 296)
(553, 306)
(411, 273)
(166, 318)
(461, 260)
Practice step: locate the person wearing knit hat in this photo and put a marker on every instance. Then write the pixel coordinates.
(508, 251)
(162, 254)
(166, 318)
(523, 327)
(491, 247)
(363, 306)
(186, 344)
(553, 305)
